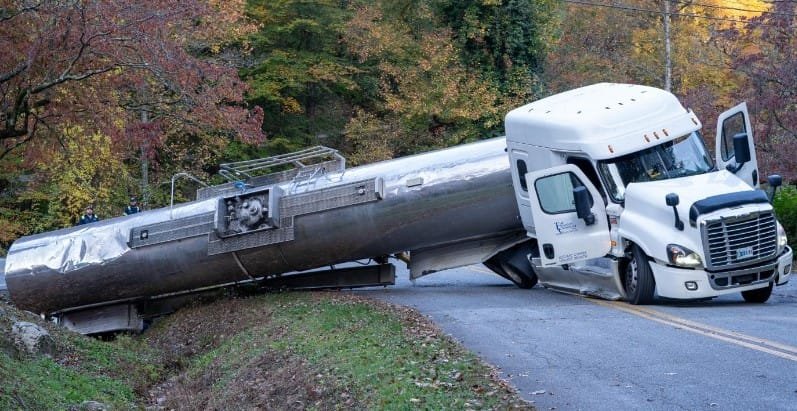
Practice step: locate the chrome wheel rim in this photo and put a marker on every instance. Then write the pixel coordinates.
(632, 278)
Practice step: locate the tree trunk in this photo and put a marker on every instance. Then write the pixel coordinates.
(667, 49)
(144, 165)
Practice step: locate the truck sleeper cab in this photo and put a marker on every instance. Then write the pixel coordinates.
(623, 200)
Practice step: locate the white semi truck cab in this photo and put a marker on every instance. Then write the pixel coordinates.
(615, 183)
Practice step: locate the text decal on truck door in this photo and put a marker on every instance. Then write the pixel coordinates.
(573, 257)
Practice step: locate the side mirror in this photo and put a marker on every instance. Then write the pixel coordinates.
(673, 200)
(775, 181)
(583, 208)
(741, 150)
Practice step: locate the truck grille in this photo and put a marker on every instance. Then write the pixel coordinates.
(739, 241)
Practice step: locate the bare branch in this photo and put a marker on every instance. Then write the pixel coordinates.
(72, 77)
(783, 125)
(6, 17)
(15, 72)
(28, 136)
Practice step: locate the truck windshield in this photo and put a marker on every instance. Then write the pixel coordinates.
(681, 157)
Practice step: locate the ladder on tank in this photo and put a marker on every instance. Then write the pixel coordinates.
(305, 177)
(298, 166)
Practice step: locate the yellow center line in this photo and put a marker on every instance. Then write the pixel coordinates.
(755, 343)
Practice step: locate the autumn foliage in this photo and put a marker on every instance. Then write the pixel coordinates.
(136, 72)
(98, 98)
(765, 52)
(103, 63)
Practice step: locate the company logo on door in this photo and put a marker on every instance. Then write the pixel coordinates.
(563, 227)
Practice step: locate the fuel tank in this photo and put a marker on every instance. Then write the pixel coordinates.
(238, 233)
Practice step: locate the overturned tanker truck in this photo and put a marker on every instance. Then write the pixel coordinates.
(606, 190)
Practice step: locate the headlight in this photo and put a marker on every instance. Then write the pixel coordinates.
(682, 256)
(782, 240)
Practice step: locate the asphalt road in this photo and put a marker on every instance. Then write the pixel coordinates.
(568, 352)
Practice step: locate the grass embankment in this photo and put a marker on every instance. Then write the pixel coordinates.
(276, 351)
(82, 369)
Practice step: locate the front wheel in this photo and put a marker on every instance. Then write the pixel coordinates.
(758, 296)
(639, 281)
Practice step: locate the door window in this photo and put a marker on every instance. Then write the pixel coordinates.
(555, 193)
(589, 170)
(522, 170)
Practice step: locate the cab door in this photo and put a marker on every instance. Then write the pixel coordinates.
(729, 124)
(562, 236)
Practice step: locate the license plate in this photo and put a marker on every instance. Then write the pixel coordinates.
(744, 253)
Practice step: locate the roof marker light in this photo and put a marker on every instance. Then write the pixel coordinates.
(664, 130)
(611, 150)
(655, 134)
(647, 138)
(694, 120)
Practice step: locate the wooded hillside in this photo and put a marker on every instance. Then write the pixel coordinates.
(100, 101)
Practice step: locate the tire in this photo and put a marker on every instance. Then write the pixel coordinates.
(513, 265)
(639, 282)
(524, 280)
(521, 280)
(758, 296)
(495, 267)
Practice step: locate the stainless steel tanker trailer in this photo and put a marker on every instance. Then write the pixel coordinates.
(445, 208)
(605, 190)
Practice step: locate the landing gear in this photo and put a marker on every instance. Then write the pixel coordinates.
(639, 282)
(758, 296)
(513, 264)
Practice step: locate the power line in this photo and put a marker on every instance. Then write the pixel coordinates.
(636, 9)
(775, 13)
(668, 13)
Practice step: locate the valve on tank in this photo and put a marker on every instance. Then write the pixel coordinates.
(248, 212)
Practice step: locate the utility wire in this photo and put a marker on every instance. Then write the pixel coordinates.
(776, 13)
(636, 9)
